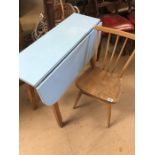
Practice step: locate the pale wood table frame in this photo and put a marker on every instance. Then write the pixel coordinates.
(55, 107)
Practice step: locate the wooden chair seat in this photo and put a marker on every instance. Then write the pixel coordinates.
(103, 86)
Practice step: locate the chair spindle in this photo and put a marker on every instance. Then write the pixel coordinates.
(107, 49)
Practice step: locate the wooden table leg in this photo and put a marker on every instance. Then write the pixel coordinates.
(57, 114)
(31, 94)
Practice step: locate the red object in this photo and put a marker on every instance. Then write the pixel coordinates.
(117, 22)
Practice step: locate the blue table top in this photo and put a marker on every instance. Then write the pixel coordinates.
(41, 57)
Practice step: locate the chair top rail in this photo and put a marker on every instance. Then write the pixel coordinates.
(115, 31)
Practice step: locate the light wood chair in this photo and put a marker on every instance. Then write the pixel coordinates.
(104, 83)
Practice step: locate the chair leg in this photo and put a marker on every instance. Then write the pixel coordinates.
(77, 99)
(109, 114)
(31, 94)
(57, 114)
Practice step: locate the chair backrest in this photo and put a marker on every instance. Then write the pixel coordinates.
(105, 3)
(111, 60)
(114, 6)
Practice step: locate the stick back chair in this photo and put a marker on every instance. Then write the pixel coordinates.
(104, 82)
(113, 19)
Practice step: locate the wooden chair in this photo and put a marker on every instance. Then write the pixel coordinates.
(113, 19)
(104, 83)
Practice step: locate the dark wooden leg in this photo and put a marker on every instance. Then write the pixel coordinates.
(57, 114)
(77, 99)
(31, 94)
(96, 10)
(49, 13)
(21, 83)
(83, 11)
(109, 113)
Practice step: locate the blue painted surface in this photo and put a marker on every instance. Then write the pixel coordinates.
(55, 85)
(39, 59)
